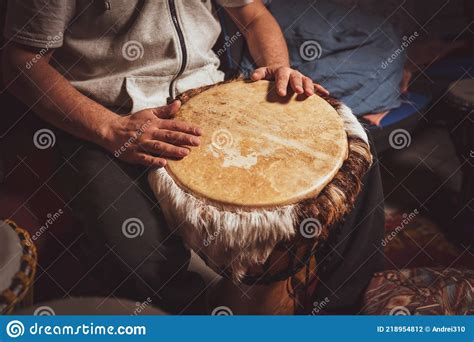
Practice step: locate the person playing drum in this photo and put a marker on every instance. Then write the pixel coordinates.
(106, 74)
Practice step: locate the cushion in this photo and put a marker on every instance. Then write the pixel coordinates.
(420, 291)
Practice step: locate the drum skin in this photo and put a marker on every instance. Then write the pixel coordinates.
(10, 255)
(258, 149)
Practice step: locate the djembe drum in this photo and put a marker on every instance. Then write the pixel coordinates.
(17, 267)
(257, 197)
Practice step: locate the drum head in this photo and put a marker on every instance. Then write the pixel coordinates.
(10, 255)
(259, 149)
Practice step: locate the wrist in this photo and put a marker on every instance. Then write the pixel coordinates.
(278, 65)
(106, 130)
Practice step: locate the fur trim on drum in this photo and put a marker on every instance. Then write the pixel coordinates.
(241, 238)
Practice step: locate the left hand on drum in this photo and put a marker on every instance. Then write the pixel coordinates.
(284, 76)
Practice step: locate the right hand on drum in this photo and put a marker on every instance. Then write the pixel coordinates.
(149, 136)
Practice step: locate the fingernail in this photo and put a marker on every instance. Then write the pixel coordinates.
(195, 141)
(198, 131)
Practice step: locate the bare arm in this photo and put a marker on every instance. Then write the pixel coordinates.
(264, 38)
(56, 101)
(52, 97)
(269, 50)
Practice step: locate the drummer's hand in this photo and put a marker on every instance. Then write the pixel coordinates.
(284, 76)
(149, 136)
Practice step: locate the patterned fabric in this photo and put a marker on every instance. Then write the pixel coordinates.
(421, 291)
(412, 240)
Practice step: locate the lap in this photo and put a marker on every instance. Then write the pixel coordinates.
(117, 210)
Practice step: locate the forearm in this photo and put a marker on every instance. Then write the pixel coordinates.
(54, 99)
(266, 42)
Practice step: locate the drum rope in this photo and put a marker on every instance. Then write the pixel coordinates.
(22, 281)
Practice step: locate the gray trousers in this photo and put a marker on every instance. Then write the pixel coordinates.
(127, 244)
